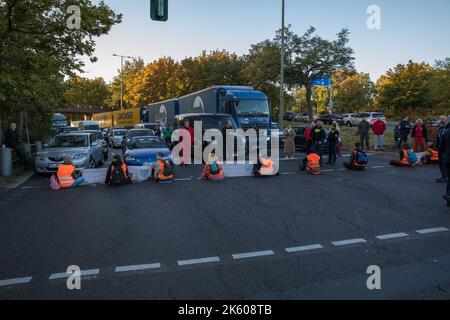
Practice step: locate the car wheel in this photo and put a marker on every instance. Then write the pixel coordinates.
(92, 164)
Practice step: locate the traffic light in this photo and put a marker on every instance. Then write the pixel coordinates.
(159, 10)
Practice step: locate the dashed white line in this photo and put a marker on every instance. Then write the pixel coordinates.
(83, 273)
(433, 230)
(328, 170)
(348, 242)
(138, 267)
(16, 281)
(183, 179)
(198, 261)
(304, 248)
(392, 236)
(378, 167)
(288, 173)
(253, 254)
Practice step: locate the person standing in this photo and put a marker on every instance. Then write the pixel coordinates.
(308, 134)
(420, 136)
(442, 166)
(190, 130)
(445, 147)
(226, 134)
(167, 135)
(379, 128)
(12, 141)
(333, 138)
(318, 137)
(397, 138)
(405, 130)
(289, 142)
(364, 130)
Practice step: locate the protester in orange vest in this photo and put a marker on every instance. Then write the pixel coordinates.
(264, 167)
(311, 163)
(163, 170)
(431, 155)
(67, 175)
(408, 158)
(118, 174)
(213, 169)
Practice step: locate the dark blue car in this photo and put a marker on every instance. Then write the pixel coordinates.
(141, 151)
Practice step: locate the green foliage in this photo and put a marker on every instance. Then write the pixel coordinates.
(87, 93)
(353, 92)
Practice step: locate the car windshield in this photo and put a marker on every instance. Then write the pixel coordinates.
(214, 122)
(119, 133)
(378, 115)
(253, 108)
(139, 133)
(91, 127)
(146, 143)
(69, 142)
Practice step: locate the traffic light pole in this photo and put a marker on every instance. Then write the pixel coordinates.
(282, 67)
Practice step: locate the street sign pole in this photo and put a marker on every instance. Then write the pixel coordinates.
(282, 68)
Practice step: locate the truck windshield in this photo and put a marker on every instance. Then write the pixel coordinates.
(256, 108)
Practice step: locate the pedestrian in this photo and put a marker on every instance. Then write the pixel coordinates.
(442, 165)
(157, 131)
(408, 157)
(379, 128)
(289, 142)
(190, 130)
(226, 131)
(339, 142)
(67, 175)
(117, 174)
(445, 147)
(358, 159)
(405, 130)
(420, 136)
(308, 137)
(364, 132)
(318, 138)
(397, 138)
(167, 135)
(333, 138)
(12, 141)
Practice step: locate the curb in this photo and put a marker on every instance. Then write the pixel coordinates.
(21, 180)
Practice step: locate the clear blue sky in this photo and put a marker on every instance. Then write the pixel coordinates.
(411, 29)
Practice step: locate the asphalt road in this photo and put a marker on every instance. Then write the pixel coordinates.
(276, 238)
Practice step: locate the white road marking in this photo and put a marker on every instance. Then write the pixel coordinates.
(16, 281)
(184, 179)
(32, 187)
(253, 254)
(328, 170)
(304, 248)
(392, 236)
(434, 230)
(198, 261)
(378, 167)
(348, 242)
(138, 267)
(288, 173)
(83, 273)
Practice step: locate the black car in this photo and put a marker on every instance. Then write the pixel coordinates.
(300, 141)
(328, 119)
(290, 116)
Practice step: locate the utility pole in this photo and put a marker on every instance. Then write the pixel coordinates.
(121, 77)
(282, 67)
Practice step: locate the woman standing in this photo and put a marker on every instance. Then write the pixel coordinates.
(420, 136)
(289, 142)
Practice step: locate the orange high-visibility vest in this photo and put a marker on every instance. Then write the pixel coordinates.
(124, 169)
(313, 163)
(65, 177)
(266, 167)
(434, 155)
(405, 159)
(161, 175)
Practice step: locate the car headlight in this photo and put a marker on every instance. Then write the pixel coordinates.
(79, 156)
(128, 158)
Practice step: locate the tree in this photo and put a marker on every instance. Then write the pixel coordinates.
(309, 57)
(439, 87)
(87, 93)
(405, 89)
(353, 92)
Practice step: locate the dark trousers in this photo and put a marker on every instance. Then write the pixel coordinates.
(443, 166)
(354, 168)
(332, 153)
(364, 140)
(447, 165)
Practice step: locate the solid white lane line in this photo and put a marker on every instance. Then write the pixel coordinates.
(328, 170)
(304, 248)
(83, 273)
(348, 242)
(392, 236)
(138, 267)
(183, 179)
(288, 173)
(198, 261)
(16, 281)
(253, 254)
(378, 167)
(434, 230)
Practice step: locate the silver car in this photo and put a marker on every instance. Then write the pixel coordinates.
(116, 137)
(84, 148)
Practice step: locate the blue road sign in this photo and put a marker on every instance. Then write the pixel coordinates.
(323, 82)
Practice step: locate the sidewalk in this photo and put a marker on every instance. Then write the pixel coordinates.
(20, 176)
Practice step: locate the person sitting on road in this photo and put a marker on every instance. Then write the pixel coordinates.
(118, 174)
(264, 167)
(213, 169)
(408, 158)
(67, 175)
(163, 171)
(358, 159)
(431, 155)
(311, 163)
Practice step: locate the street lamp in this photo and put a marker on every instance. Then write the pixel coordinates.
(282, 67)
(121, 76)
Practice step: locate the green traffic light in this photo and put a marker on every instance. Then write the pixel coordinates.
(159, 10)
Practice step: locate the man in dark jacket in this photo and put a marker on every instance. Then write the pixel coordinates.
(363, 130)
(12, 141)
(318, 137)
(442, 166)
(405, 129)
(445, 147)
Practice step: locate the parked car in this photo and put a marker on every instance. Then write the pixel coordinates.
(349, 119)
(304, 118)
(328, 119)
(149, 126)
(84, 148)
(102, 140)
(115, 138)
(134, 133)
(141, 151)
(369, 116)
(290, 116)
(277, 131)
(300, 141)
